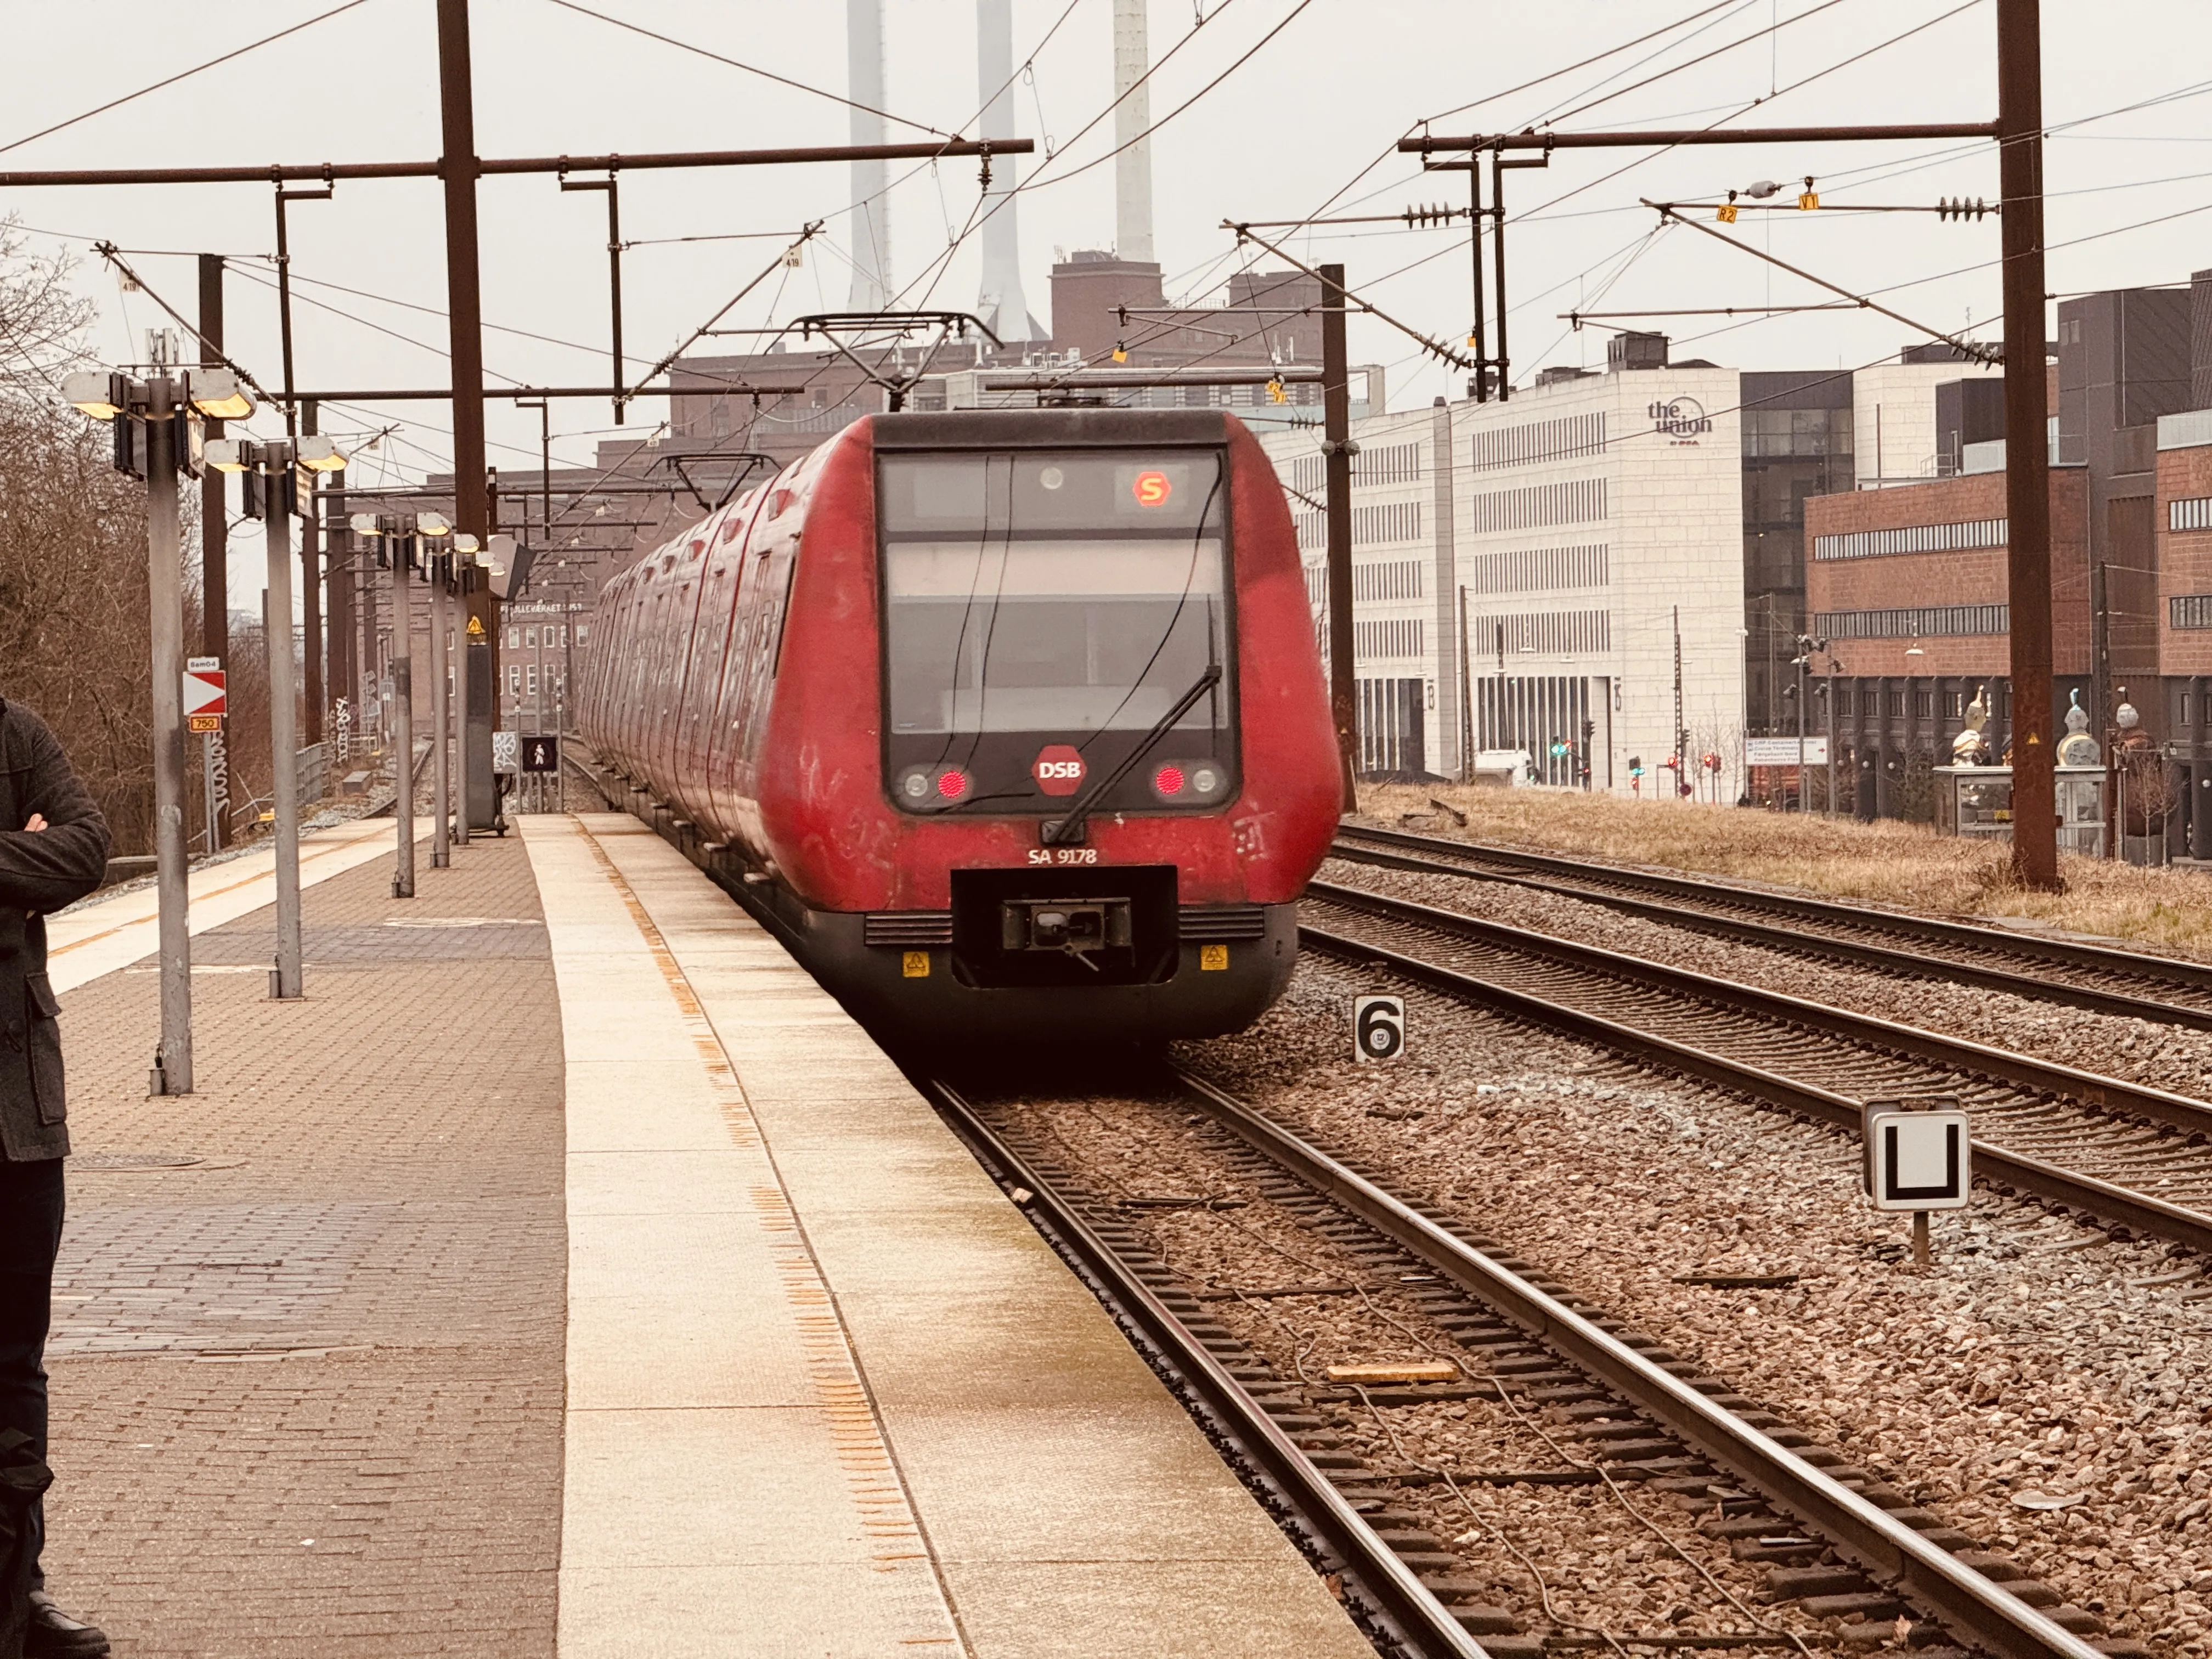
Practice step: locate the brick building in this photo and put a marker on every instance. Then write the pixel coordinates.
(1908, 583)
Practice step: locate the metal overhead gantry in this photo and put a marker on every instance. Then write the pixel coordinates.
(2018, 132)
(458, 170)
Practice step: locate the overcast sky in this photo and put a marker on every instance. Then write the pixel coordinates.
(1315, 109)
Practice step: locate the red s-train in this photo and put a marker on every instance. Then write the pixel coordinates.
(1011, 724)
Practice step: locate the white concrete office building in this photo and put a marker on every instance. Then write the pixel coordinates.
(1583, 527)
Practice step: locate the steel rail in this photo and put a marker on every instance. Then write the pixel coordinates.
(2073, 953)
(1968, 1603)
(1994, 1165)
(2116, 1003)
(1958, 1054)
(1410, 1612)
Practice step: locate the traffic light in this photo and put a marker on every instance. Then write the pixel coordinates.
(1636, 766)
(1713, 762)
(1559, 749)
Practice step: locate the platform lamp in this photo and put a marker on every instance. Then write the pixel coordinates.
(155, 436)
(272, 472)
(402, 533)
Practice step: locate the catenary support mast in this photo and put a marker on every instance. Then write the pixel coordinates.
(1337, 450)
(2027, 484)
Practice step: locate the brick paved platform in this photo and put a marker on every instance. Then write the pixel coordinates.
(308, 1393)
(567, 1276)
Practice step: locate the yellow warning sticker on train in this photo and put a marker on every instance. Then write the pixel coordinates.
(915, 964)
(1212, 958)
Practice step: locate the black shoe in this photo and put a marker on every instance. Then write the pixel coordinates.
(54, 1635)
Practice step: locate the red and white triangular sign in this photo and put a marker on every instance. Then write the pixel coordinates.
(203, 691)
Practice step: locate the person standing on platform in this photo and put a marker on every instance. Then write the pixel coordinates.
(53, 850)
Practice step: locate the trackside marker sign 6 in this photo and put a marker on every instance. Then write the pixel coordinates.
(1059, 769)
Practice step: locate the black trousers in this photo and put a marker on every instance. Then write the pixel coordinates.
(31, 1201)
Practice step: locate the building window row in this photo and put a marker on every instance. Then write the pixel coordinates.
(1389, 464)
(1386, 521)
(1389, 637)
(1911, 538)
(2195, 514)
(1930, 621)
(1397, 578)
(1554, 633)
(2188, 612)
(1309, 475)
(1568, 437)
(1536, 570)
(1580, 500)
(1771, 432)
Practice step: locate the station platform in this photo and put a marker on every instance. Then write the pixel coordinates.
(567, 1275)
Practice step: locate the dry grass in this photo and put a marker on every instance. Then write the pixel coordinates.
(1905, 864)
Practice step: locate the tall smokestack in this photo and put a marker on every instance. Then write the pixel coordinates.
(1002, 305)
(1133, 168)
(872, 220)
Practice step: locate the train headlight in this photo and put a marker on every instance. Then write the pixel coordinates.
(925, 788)
(1190, 780)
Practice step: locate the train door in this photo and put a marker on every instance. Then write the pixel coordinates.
(677, 627)
(624, 695)
(727, 741)
(703, 683)
(775, 544)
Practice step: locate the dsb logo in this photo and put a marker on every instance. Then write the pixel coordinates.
(1059, 769)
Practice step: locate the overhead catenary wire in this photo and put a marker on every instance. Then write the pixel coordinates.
(183, 74)
(1757, 103)
(991, 205)
(750, 69)
(1973, 349)
(1767, 33)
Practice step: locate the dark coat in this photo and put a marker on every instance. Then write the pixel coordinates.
(39, 872)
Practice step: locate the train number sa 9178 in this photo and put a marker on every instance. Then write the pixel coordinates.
(1063, 855)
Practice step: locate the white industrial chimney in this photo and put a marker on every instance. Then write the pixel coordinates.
(1002, 305)
(1133, 168)
(871, 227)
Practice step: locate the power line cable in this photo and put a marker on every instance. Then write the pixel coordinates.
(185, 75)
(1767, 33)
(1598, 58)
(1756, 103)
(751, 69)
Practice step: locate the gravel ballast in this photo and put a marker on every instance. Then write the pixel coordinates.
(1568, 1556)
(2034, 1362)
(2170, 1057)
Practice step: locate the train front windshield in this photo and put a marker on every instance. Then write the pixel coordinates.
(1046, 614)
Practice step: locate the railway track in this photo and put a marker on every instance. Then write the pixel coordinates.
(1615, 1407)
(2068, 972)
(2136, 1156)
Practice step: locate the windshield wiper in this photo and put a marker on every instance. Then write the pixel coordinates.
(1068, 831)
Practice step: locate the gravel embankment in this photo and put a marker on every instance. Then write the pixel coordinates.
(1599, 1566)
(2168, 1057)
(2035, 1358)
